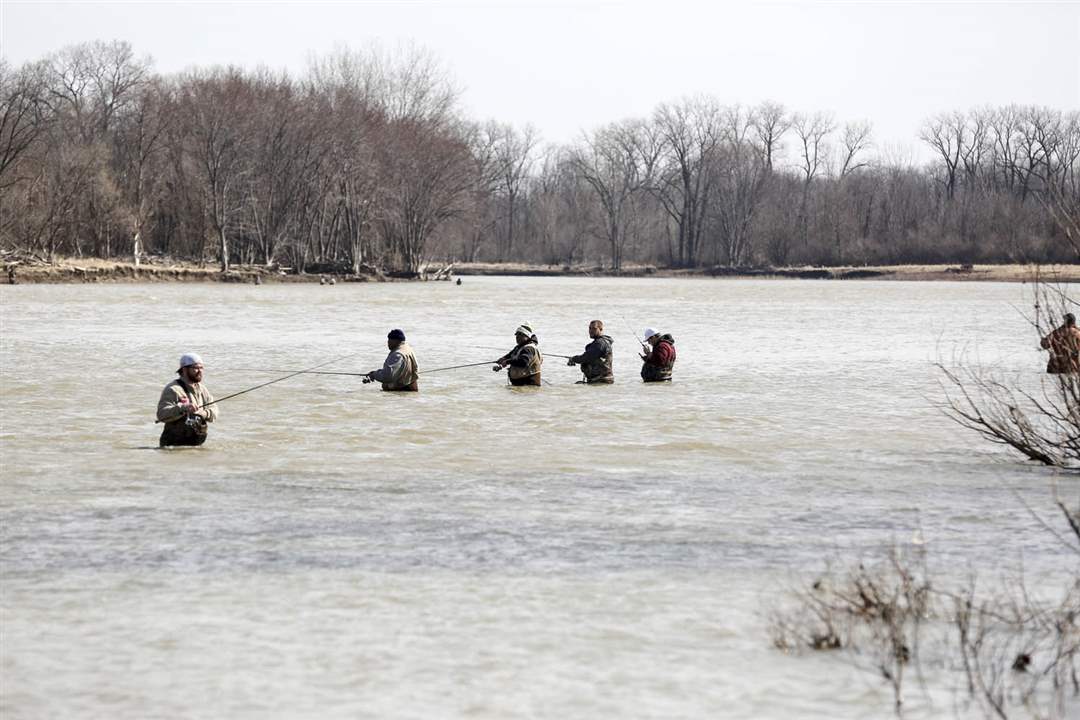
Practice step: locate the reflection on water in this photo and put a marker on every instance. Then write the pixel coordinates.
(475, 549)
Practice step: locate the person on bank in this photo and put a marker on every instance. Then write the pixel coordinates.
(595, 362)
(524, 360)
(659, 358)
(399, 371)
(1064, 346)
(183, 405)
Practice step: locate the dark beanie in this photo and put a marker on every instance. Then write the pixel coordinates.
(395, 334)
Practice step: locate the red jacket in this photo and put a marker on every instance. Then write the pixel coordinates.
(663, 355)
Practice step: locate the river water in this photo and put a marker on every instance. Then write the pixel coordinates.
(477, 550)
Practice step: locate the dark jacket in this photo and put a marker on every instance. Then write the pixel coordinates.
(524, 361)
(659, 362)
(596, 361)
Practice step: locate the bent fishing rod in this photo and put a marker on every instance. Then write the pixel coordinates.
(271, 382)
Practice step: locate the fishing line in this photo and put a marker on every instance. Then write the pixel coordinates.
(355, 374)
(455, 367)
(277, 380)
(542, 352)
(301, 372)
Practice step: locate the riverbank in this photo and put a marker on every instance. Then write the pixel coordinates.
(991, 273)
(93, 270)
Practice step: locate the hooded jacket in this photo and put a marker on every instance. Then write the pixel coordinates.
(596, 361)
(658, 364)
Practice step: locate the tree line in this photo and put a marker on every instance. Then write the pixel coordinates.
(367, 160)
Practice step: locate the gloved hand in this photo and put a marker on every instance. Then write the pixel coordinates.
(570, 361)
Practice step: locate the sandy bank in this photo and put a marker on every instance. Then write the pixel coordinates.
(994, 273)
(92, 270)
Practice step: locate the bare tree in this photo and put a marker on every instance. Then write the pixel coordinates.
(513, 152)
(771, 122)
(691, 132)
(855, 141)
(812, 132)
(22, 116)
(93, 82)
(483, 141)
(613, 161)
(428, 179)
(740, 170)
(214, 108)
(946, 134)
(139, 142)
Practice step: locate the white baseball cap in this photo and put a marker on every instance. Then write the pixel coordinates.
(649, 332)
(190, 359)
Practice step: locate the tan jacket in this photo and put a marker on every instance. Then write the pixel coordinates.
(1064, 347)
(400, 370)
(173, 399)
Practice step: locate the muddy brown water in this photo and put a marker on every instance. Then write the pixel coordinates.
(479, 550)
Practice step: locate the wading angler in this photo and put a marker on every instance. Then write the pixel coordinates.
(185, 405)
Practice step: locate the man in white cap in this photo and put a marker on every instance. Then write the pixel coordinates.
(524, 360)
(659, 356)
(183, 405)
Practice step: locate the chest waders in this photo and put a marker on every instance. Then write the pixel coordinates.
(411, 387)
(412, 376)
(658, 373)
(189, 430)
(530, 373)
(599, 371)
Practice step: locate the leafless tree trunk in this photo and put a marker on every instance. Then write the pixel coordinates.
(613, 161)
(214, 107)
(692, 132)
(812, 132)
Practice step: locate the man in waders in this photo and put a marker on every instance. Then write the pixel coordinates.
(399, 371)
(524, 360)
(658, 358)
(1064, 346)
(596, 360)
(183, 405)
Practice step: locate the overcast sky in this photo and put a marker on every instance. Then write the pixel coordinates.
(569, 66)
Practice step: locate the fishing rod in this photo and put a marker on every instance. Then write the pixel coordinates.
(542, 352)
(634, 333)
(302, 372)
(271, 382)
(456, 367)
(355, 374)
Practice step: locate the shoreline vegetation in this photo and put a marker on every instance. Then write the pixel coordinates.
(155, 270)
(369, 158)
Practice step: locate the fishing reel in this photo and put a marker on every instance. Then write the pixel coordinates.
(194, 421)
